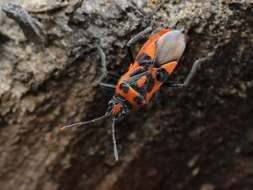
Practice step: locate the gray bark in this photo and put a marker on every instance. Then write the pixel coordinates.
(199, 138)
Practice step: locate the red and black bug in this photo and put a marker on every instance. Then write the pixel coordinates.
(146, 74)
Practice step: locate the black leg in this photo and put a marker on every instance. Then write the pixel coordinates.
(134, 40)
(105, 72)
(103, 64)
(195, 67)
(107, 86)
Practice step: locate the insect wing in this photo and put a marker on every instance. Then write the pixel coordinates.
(170, 47)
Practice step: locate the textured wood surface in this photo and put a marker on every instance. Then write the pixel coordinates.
(199, 138)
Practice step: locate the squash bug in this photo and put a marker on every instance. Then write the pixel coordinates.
(151, 69)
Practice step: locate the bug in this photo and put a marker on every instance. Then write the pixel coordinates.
(147, 73)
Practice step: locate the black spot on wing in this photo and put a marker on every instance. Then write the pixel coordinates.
(136, 72)
(124, 87)
(150, 83)
(162, 75)
(140, 90)
(139, 100)
(144, 59)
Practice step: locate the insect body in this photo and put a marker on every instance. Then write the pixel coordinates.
(153, 64)
(146, 74)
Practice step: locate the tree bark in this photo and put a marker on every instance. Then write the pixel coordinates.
(196, 138)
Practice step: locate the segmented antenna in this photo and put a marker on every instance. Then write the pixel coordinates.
(85, 122)
(115, 150)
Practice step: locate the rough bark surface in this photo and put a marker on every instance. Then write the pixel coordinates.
(198, 138)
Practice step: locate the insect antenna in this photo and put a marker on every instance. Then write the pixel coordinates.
(115, 150)
(85, 122)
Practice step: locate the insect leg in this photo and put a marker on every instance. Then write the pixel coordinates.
(134, 40)
(103, 64)
(195, 67)
(107, 86)
(104, 70)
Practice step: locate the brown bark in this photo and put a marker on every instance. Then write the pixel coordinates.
(198, 138)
